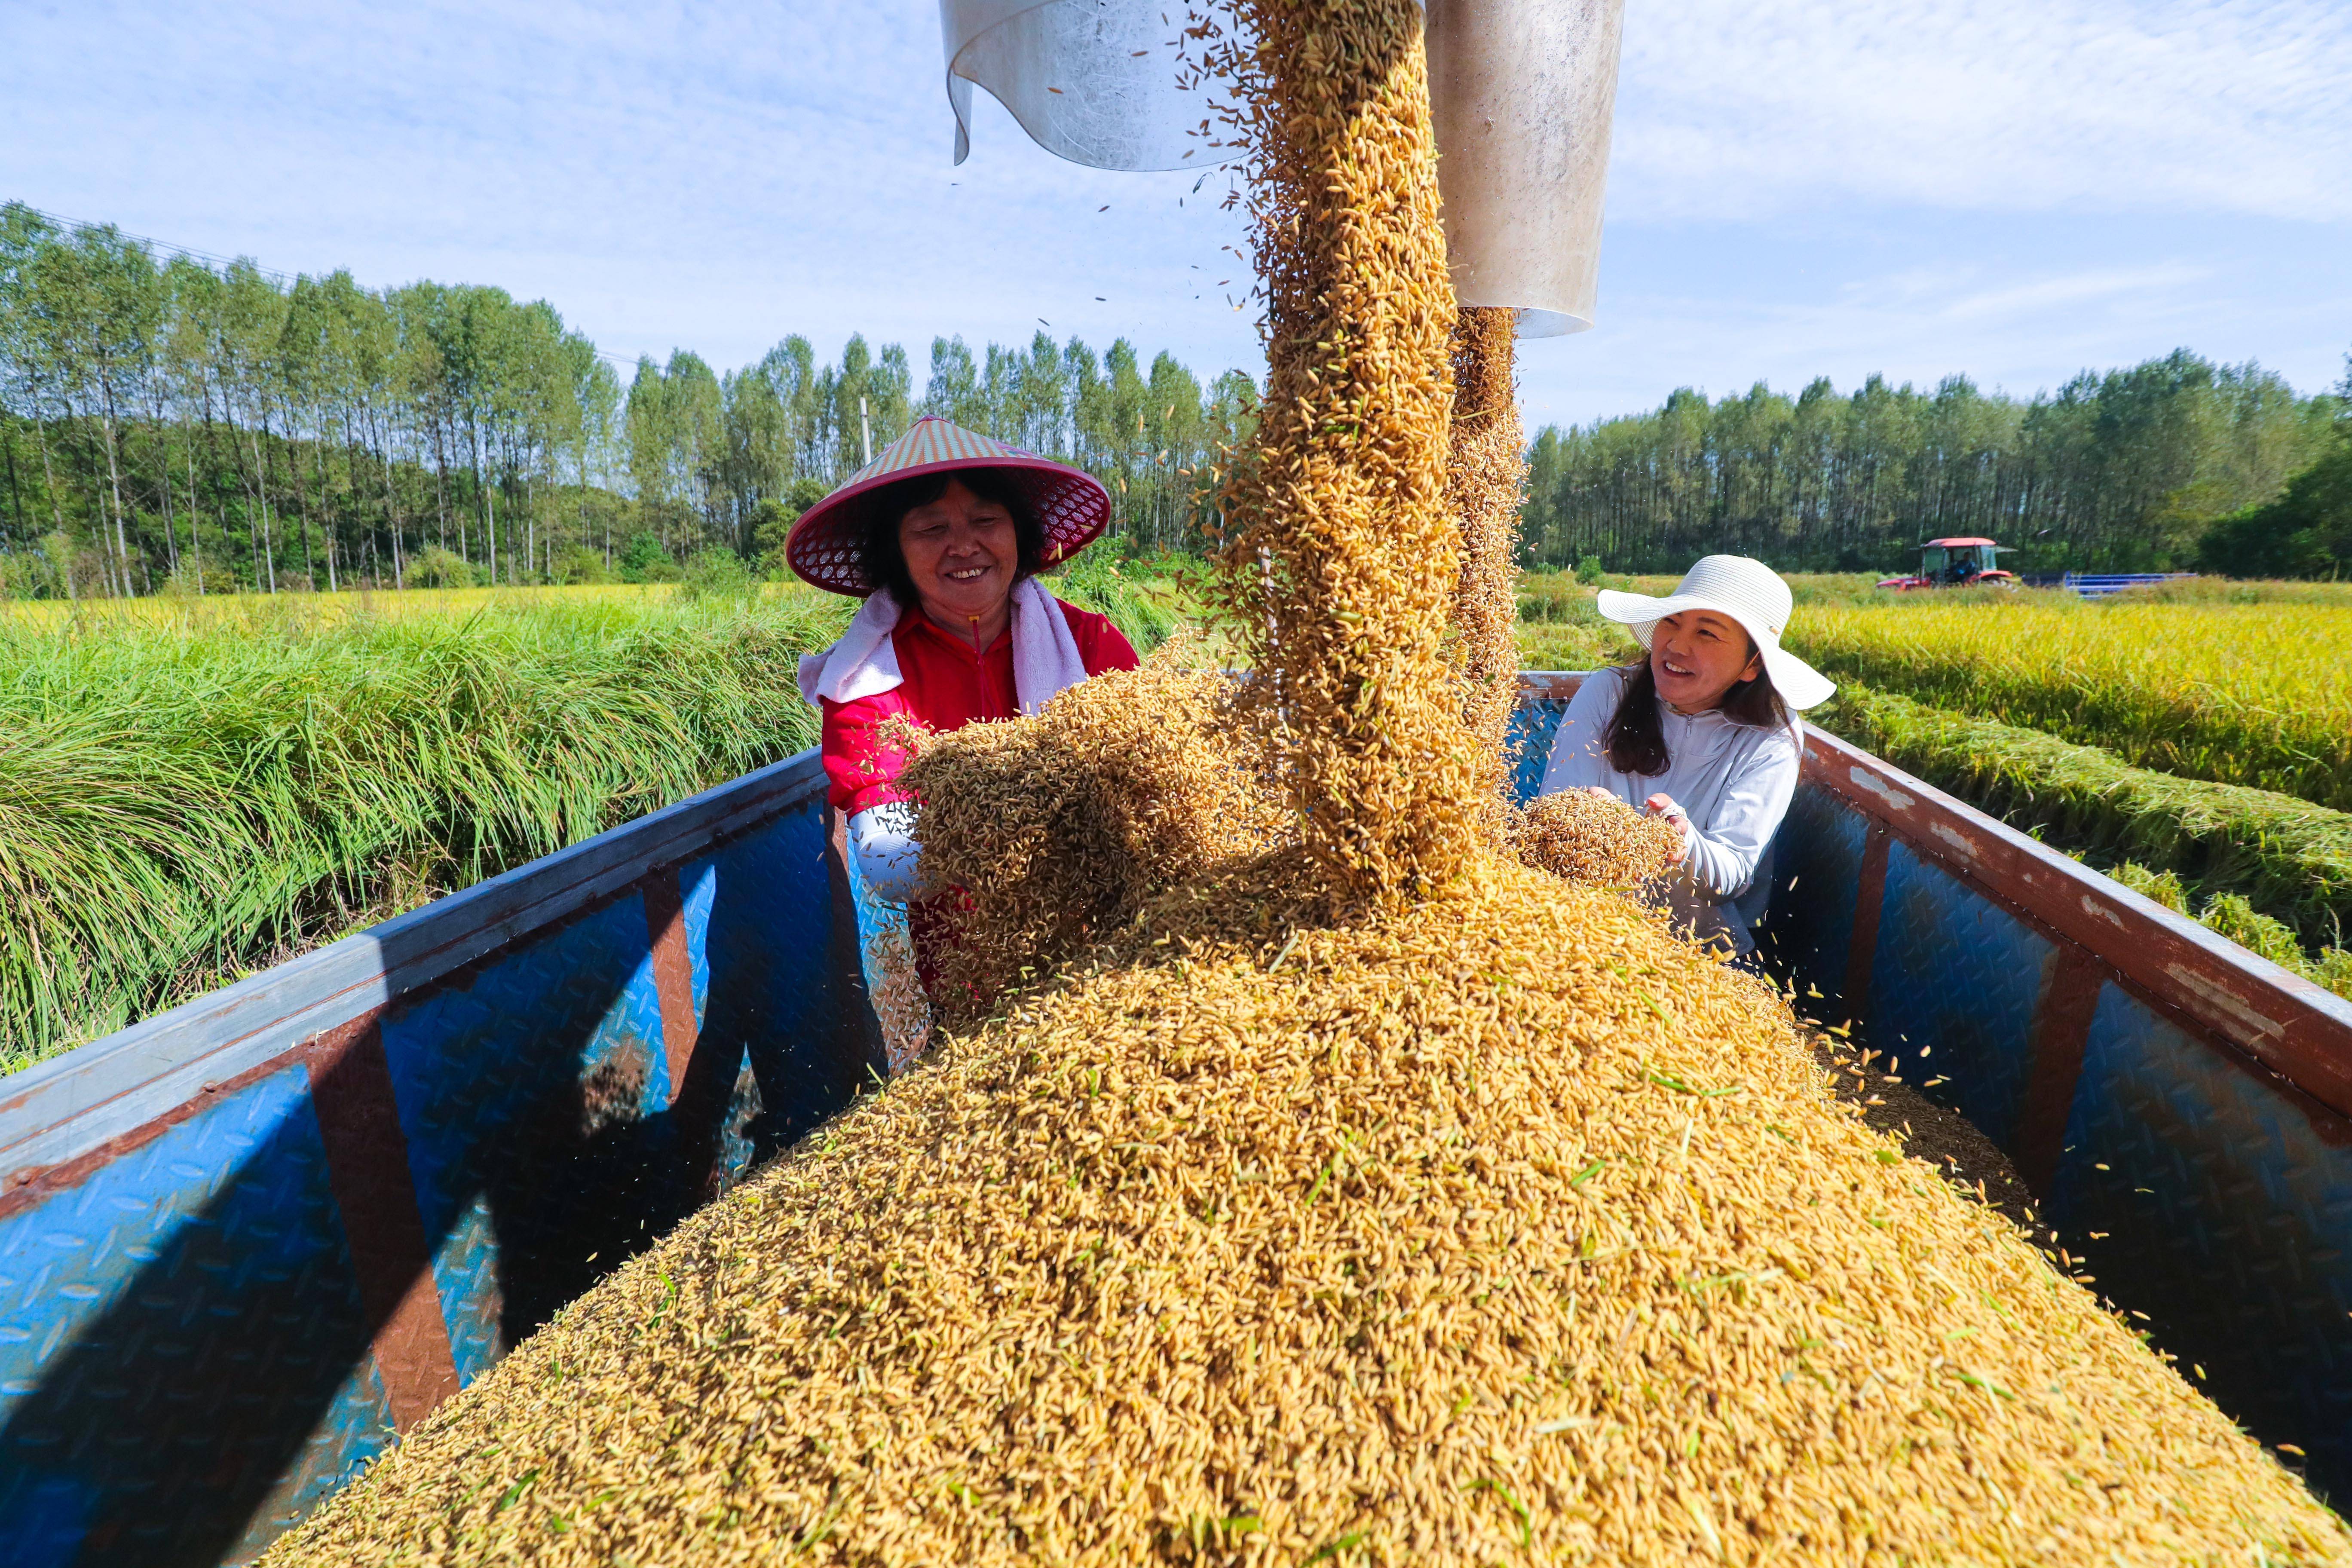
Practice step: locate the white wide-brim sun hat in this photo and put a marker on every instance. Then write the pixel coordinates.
(1749, 592)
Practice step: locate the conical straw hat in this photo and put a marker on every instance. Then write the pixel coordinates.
(824, 547)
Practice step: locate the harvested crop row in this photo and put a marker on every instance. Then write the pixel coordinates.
(2289, 858)
(184, 797)
(1494, 1230)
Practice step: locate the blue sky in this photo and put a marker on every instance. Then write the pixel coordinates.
(2013, 189)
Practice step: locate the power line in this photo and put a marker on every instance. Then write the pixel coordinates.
(165, 244)
(212, 257)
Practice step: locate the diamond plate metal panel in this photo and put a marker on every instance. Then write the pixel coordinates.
(1810, 929)
(1533, 725)
(698, 886)
(531, 1090)
(770, 945)
(2226, 1204)
(736, 1151)
(183, 1348)
(186, 1363)
(1957, 972)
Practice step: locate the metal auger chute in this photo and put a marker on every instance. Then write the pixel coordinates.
(1522, 91)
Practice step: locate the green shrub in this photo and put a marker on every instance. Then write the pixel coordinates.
(580, 563)
(717, 573)
(643, 560)
(183, 583)
(33, 573)
(435, 567)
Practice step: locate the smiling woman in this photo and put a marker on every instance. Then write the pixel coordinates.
(1699, 732)
(942, 535)
(955, 544)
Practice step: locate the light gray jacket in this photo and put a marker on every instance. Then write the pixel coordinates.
(1734, 782)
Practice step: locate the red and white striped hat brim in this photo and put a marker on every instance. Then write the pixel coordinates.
(826, 547)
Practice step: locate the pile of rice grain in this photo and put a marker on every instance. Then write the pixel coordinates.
(1492, 1230)
(1362, 1198)
(1044, 837)
(1585, 838)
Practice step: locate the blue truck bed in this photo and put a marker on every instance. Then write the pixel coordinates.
(244, 1245)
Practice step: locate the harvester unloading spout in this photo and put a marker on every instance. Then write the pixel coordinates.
(1523, 92)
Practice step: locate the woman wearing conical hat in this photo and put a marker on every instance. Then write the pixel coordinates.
(942, 535)
(1700, 732)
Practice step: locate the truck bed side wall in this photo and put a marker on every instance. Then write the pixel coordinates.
(243, 1247)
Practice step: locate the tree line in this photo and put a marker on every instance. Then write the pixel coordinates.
(733, 458)
(166, 422)
(2132, 470)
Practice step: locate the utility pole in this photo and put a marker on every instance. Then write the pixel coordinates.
(865, 432)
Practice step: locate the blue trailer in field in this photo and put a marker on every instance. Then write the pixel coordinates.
(246, 1244)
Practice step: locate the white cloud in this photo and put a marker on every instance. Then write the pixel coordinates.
(1744, 109)
(715, 174)
(2021, 334)
(707, 174)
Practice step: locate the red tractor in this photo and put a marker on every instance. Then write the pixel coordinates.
(1954, 563)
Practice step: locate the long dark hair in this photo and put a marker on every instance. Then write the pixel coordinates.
(885, 564)
(1636, 736)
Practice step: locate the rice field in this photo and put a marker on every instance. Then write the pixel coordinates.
(2238, 692)
(191, 791)
(408, 604)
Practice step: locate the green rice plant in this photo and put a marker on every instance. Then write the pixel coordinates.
(1551, 645)
(2240, 590)
(2157, 886)
(2258, 694)
(1145, 606)
(2230, 915)
(187, 796)
(2285, 857)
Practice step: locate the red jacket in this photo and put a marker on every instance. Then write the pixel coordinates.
(944, 686)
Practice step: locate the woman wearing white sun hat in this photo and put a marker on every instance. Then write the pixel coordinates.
(1698, 732)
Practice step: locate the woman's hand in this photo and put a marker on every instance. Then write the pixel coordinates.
(1597, 793)
(1665, 806)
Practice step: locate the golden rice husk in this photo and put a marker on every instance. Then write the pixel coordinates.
(1585, 838)
(1042, 838)
(1494, 1230)
(1340, 568)
(1336, 1190)
(1485, 476)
